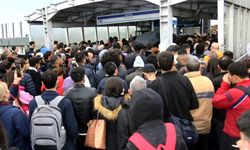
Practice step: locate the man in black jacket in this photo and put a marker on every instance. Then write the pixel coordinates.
(82, 99)
(176, 90)
(33, 71)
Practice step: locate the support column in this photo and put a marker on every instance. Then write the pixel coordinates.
(13, 29)
(47, 24)
(96, 34)
(166, 23)
(118, 33)
(83, 36)
(231, 28)
(2, 31)
(220, 11)
(152, 25)
(108, 32)
(67, 35)
(6, 30)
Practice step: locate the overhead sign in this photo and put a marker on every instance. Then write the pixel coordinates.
(128, 17)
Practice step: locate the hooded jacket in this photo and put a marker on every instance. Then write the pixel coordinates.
(145, 116)
(108, 109)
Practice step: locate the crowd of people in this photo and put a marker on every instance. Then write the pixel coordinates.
(135, 88)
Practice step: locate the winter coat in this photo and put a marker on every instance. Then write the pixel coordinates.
(29, 85)
(108, 108)
(100, 74)
(36, 77)
(101, 85)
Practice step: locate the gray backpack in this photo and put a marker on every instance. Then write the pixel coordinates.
(47, 130)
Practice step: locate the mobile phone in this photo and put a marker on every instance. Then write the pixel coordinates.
(19, 70)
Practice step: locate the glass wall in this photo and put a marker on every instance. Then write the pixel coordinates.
(75, 35)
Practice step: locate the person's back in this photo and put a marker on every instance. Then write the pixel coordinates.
(14, 121)
(176, 90)
(108, 107)
(145, 118)
(34, 73)
(49, 79)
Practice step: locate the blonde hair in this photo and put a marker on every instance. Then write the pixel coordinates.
(2, 90)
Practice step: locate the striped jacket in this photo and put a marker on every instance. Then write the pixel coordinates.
(204, 90)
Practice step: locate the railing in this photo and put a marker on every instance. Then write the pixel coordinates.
(242, 57)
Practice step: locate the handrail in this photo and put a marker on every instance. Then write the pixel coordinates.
(243, 56)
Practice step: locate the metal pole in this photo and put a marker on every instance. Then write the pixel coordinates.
(118, 33)
(2, 31)
(96, 34)
(127, 32)
(21, 29)
(221, 23)
(13, 29)
(83, 36)
(108, 32)
(67, 35)
(6, 30)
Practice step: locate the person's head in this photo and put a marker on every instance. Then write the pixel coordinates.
(55, 61)
(152, 59)
(47, 55)
(145, 106)
(32, 44)
(165, 60)
(186, 47)
(81, 57)
(113, 87)
(136, 84)
(229, 54)
(111, 69)
(215, 47)
(49, 79)
(90, 55)
(114, 56)
(68, 50)
(247, 63)
(59, 46)
(244, 125)
(77, 75)
(137, 47)
(237, 72)
(175, 49)
(149, 71)
(212, 67)
(200, 48)
(4, 92)
(193, 66)
(224, 62)
(34, 62)
(59, 71)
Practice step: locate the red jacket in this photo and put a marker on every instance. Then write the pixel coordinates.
(226, 98)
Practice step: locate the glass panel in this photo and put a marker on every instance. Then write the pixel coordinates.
(102, 33)
(123, 32)
(132, 30)
(75, 35)
(113, 31)
(59, 34)
(38, 35)
(89, 33)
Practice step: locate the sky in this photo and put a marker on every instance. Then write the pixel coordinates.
(15, 10)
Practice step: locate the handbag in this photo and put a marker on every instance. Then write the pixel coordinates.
(189, 132)
(96, 134)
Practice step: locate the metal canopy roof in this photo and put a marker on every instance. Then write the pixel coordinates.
(73, 13)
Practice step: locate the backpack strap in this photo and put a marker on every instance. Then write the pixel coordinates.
(56, 101)
(246, 91)
(170, 136)
(140, 142)
(39, 100)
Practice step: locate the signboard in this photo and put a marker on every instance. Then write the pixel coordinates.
(128, 17)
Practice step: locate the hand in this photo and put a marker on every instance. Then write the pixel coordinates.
(17, 79)
(226, 79)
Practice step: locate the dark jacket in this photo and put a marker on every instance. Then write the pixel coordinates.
(108, 109)
(68, 117)
(36, 77)
(129, 60)
(130, 77)
(100, 74)
(16, 125)
(29, 85)
(90, 74)
(177, 93)
(82, 100)
(145, 117)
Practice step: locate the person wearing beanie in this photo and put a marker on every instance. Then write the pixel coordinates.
(145, 116)
(138, 65)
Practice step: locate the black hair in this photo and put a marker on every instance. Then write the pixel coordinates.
(212, 67)
(55, 42)
(116, 45)
(77, 74)
(113, 56)
(165, 60)
(80, 56)
(200, 48)
(185, 46)
(193, 66)
(49, 79)
(113, 87)
(244, 122)
(229, 54)
(47, 54)
(109, 68)
(238, 69)
(33, 61)
(20, 61)
(138, 47)
(31, 43)
(152, 59)
(224, 62)
(182, 52)
(175, 48)
(13, 48)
